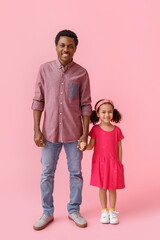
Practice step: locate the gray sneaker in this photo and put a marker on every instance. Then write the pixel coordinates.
(78, 219)
(43, 222)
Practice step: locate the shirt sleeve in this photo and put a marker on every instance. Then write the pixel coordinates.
(38, 100)
(85, 97)
(92, 133)
(120, 134)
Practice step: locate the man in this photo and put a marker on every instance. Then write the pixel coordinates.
(63, 92)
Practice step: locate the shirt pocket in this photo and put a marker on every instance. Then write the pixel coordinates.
(74, 90)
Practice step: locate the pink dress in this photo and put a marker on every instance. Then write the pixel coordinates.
(107, 171)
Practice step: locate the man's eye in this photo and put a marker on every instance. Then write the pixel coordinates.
(71, 46)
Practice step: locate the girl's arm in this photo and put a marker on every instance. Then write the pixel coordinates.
(82, 145)
(91, 144)
(120, 151)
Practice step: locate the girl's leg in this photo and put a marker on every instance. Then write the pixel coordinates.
(112, 199)
(112, 214)
(103, 197)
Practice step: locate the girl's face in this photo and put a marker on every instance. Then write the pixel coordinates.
(105, 113)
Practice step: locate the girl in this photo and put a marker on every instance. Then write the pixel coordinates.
(107, 169)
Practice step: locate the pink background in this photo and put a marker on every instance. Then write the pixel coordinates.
(119, 46)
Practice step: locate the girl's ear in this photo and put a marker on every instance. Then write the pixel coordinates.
(97, 114)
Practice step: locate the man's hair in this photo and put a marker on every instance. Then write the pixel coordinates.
(66, 33)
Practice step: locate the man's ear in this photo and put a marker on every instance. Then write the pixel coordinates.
(75, 49)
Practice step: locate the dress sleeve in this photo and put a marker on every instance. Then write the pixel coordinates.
(120, 134)
(92, 133)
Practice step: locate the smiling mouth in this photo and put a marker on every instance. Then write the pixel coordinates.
(65, 54)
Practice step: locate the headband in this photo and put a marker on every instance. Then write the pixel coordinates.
(102, 102)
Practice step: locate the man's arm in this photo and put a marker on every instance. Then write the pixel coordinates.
(86, 108)
(86, 120)
(84, 137)
(38, 136)
(37, 107)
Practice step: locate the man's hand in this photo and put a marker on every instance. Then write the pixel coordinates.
(82, 146)
(39, 138)
(82, 143)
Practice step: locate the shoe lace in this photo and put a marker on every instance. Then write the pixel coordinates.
(114, 214)
(77, 214)
(43, 217)
(104, 214)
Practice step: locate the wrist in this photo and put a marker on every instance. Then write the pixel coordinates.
(85, 134)
(84, 138)
(37, 129)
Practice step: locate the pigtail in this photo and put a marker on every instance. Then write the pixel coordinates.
(94, 118)
(116, 116)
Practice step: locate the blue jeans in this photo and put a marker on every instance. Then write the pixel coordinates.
(50, 155)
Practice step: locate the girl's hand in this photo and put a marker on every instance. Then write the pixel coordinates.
(83, 139)
(82, 146)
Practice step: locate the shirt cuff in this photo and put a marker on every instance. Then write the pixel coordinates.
(36, 105)
(87, 110)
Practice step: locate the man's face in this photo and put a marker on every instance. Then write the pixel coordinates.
(65, 50)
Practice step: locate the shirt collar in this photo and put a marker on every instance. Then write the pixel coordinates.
(64, 69)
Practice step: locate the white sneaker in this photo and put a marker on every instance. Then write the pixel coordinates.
(104, 217)
(42, 222)
(113, 217)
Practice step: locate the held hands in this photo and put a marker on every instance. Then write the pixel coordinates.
(82, 143)
(82, 146)
(39, 138)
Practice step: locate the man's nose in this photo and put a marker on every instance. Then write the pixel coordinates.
(66, 49)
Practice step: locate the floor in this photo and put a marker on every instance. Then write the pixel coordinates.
(136, 220)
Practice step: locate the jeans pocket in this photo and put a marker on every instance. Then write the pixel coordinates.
(74, 90)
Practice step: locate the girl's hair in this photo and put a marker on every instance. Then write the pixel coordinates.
(116, 114)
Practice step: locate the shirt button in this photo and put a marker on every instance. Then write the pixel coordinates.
(60, 123)
(60, 113)
(61, 92)
(62, 83)
(60, 102)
